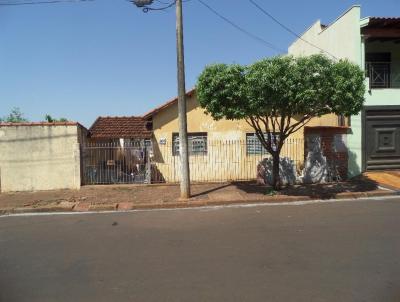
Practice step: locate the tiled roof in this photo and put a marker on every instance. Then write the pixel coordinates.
(120, 127)
(167, 104)
(385, 18)
(381, 22)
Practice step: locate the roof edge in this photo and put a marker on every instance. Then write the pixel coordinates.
(305, 31)
(120, 116)
(166, 104)
(364, 21)
(325, 26)
(341, 16)
(112, 117)
(41, 124)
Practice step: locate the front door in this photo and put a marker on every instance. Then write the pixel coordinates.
(382, 137)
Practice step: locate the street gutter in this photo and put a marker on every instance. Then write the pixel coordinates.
(233, 204)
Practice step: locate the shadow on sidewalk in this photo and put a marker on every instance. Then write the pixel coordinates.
(319, 191)
(218, 188)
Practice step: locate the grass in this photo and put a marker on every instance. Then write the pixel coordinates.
(270, 192)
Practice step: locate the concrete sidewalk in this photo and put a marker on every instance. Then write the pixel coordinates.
(130, 197)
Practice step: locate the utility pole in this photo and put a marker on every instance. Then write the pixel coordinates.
(183, 137)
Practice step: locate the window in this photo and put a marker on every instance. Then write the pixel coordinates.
(378, 68)
(197, 143)
(254, 146)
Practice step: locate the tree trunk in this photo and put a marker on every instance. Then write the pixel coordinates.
(276, 182)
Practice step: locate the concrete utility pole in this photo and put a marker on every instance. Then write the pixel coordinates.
(183, 137)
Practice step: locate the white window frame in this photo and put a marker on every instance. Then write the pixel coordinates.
(254, 145)
(197, 143)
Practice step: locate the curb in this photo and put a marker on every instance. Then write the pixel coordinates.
(128, 206)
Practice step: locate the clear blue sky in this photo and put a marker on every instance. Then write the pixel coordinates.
(106, 57)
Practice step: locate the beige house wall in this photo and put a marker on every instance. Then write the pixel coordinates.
(40, 157)
(226, 158)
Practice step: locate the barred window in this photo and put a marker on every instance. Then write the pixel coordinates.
(254, 146)
(197, 143)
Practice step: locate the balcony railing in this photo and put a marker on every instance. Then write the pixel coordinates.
(382, 75)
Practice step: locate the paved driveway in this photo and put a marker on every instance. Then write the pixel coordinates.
(344, 251)
(389, 179)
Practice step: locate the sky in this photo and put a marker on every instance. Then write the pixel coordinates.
(82, 60)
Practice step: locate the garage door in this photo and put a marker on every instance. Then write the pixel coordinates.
(382, 137)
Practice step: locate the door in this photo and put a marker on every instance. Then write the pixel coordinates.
(382, 137)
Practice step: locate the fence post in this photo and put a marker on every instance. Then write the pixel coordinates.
(148, 165)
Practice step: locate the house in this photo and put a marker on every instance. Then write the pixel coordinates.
(374, 44)
(117, 151)
(132, 129)
(221, 150)
(40, 156)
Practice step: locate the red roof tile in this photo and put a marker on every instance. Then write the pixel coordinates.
(381, 22)
(120, 127)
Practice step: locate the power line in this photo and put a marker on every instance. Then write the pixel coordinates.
(288, 29)
(8, 3)
(255, 37)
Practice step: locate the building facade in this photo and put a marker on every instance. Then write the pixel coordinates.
(220, 150)
(372, 43)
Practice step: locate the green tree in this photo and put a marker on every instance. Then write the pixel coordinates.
(48, 118)
(278, 96)
(15, 116)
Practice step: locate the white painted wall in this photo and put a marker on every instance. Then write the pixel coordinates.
(342, 38)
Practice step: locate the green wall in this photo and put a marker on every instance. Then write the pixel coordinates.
(376, 97)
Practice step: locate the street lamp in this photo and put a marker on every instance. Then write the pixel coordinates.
(146, 5)
(183, 139)
(142, 3)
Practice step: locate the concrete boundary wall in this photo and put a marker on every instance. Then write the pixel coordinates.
(40, 156)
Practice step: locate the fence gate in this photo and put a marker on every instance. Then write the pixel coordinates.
(113, 163)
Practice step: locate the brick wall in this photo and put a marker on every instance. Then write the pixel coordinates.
(333, 146)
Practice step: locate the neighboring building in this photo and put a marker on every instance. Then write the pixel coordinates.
(118, 151)
(374, 44)
(219, 150)
(40, 156)
(120, 129)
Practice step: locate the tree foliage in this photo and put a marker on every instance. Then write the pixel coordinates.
(48, 118)
(15, 116)
(278, 96)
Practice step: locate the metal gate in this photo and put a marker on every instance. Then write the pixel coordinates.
(113, 163)
(382, 137)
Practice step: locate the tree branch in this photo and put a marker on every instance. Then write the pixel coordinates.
(299, 124)
(260, 134)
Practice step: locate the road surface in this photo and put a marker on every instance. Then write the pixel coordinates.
(342, 251)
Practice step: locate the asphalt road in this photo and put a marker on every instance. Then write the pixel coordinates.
(343, 251)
